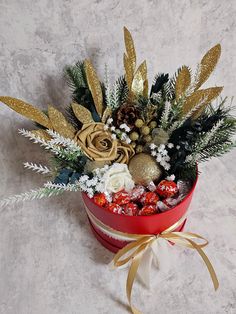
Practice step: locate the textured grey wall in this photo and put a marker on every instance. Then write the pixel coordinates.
(49, 261)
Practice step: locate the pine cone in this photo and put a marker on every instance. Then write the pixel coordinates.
(128, 113)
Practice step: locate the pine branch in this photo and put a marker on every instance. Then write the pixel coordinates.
(38, 168)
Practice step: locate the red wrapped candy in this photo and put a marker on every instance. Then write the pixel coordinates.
(114, 208)
(100, 199)
(131, 209)
(121, 198)
(149, 198)
(137, 192)
(148, 210)
(167, 189)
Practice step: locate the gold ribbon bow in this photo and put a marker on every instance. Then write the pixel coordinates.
(134, 251)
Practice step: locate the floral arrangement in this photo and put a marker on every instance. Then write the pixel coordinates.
(134, 150)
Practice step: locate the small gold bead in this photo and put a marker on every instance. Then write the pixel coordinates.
(134, 136)
(153, 124)
(145, 130)
(139, 149)
(139, 123)
(148, 138)
(133, 144)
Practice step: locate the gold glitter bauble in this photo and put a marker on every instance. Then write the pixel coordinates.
(144, 169)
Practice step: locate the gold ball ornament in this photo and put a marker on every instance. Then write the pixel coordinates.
(139, 149)
(153, 124)
(144, 169)
(134, 136)
(145, 130)
(139, 123)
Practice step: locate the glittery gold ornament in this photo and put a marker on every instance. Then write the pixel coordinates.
(129, 45)
(144, 169)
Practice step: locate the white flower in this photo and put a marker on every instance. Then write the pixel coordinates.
(153, 153)
(170, 145)
(118, 178)
(164, 152)
(123, 136)
(123, 126)
(109, 121)
(113, 136)
(127, 129)
(159, 158)
(113, 128)
(128, 140)
(152, 146)
(171, 177)
(178, 147)
(106, 127)
(161, 148)
(83, 178)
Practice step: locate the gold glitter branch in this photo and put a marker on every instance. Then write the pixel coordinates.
(137, 81)
(27, 110)
(182, 82)
(208, 64)
(94, 86)
(205, 95)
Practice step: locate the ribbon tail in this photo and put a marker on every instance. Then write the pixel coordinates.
(145, 267)
(207, 262)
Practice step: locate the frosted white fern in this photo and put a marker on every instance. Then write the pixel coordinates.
(38, 168)
(115, 95)
(107, 87)
(70, 152)
(31, 195)
(165, 115)
(203, 142)
(180, 122)
(63, 187)
(58, 139)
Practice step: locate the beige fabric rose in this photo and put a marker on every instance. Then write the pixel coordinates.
(96, 142)
(124, 153)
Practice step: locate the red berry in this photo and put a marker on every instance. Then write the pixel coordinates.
(167, 189)
(114, 208)
(148, 210)
(100, 199)
(131, 209)
(149, 198)
(121, 198)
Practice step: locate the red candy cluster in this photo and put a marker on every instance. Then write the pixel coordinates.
(140, 202)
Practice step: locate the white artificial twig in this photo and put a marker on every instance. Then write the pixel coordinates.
(38, 168)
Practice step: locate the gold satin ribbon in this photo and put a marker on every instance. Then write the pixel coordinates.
(134, 251)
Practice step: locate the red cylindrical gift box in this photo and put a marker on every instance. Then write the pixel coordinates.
(153, 224)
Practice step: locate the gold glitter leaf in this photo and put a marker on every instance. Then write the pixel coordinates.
(137, 84)
(128, 72)
(41, 134)
(129, 45)
(94, 86)
(145, 88)
(143, 70)
(182, 82)
(26, 110)
(82, 113)
(208, 64)
(60, 124)
(202, 95)
(106, 114)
